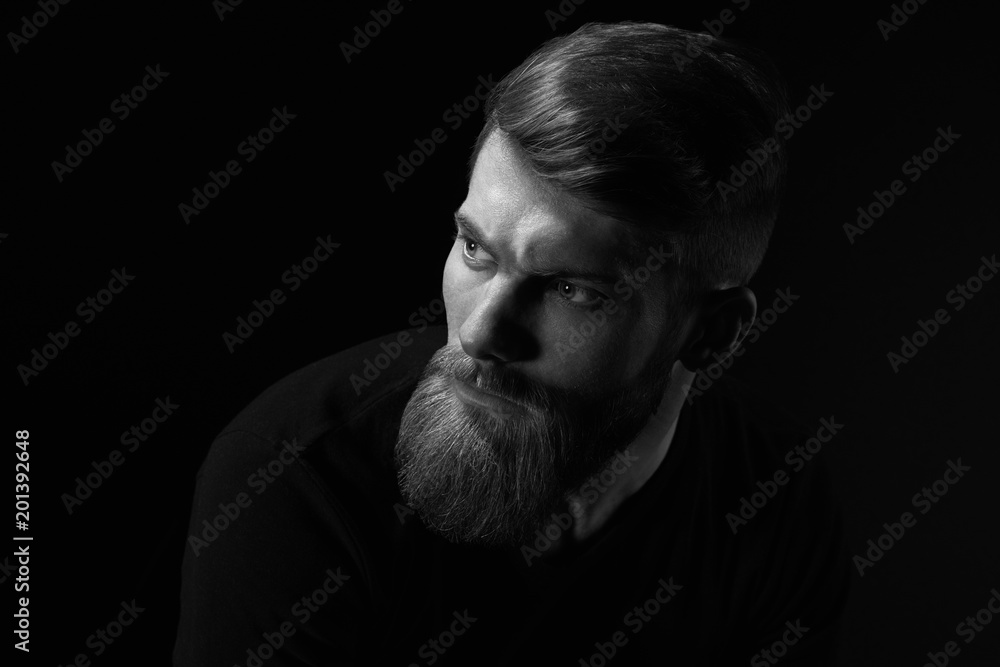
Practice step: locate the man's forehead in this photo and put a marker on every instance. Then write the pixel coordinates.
(540, 224)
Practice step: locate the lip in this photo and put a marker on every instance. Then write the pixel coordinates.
(478, 398)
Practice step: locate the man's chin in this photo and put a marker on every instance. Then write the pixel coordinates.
(484, 529)
(474, 471)
(471, 476)
(488, 515)
(479, 475)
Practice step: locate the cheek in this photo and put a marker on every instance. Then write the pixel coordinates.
(589, 355)
(585, 355)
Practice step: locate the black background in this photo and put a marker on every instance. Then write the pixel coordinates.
(323, 175)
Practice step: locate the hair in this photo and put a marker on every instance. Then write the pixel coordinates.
(688, 109)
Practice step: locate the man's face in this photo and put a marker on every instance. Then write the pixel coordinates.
(560, 344)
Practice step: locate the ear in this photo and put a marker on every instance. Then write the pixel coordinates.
(723, 319)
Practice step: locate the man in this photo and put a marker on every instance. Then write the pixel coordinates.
(534, 487)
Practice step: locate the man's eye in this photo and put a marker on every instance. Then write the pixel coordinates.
(578, 296)
(471, 249)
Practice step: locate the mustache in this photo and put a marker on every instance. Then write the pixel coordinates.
(508, 384)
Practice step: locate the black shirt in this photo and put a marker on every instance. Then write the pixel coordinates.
(301, 551)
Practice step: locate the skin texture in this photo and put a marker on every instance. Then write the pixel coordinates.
(510, 304)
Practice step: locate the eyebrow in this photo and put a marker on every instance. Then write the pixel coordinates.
(605, 276)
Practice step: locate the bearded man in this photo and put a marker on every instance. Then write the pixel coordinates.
(534, 484)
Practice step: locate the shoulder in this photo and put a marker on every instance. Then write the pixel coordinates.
(347, 394)
(299, 479)
(751, 442)
(286, 501)
(773, 501)
(771, 489)
(748, 429)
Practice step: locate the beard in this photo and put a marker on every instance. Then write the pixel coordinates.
(492, 477)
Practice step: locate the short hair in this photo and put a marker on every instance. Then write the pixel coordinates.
(687, 107)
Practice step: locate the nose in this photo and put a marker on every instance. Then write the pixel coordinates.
(497, 327)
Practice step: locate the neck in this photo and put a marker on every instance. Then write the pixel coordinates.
(633, 467)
